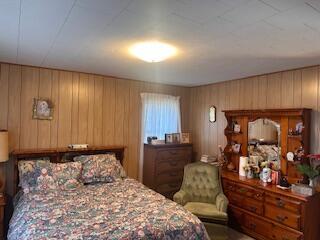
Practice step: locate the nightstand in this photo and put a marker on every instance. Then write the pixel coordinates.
(2, 206)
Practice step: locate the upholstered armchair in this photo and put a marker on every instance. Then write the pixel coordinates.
(201, 193)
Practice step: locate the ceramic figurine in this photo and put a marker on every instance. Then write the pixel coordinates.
(231, 166)
(265, 175)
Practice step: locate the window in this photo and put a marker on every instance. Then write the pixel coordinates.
(160, 115)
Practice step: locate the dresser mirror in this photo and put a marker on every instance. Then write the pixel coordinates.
(264, 141)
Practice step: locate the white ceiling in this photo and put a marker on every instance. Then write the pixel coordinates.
(218, 39)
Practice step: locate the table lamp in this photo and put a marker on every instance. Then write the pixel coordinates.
(4, 154)
(4, 146)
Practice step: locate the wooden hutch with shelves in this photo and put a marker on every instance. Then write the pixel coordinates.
(287, 118)
(264, 211)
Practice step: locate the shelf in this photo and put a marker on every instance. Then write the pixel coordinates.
(295, 136)
(233, 133)
(234, 153)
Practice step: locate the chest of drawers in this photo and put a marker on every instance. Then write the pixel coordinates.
(163, 167)
(266, 212)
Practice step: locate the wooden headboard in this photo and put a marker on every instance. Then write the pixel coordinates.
(59, 155)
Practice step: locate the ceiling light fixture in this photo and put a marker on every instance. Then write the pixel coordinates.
(152, 51)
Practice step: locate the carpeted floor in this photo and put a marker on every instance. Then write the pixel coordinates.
(234, 235)
(216, 233)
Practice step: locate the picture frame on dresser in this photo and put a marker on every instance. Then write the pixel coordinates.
(168, 137)
(185, 138)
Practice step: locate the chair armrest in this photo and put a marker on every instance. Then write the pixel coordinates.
(222, 202)
(180, 197)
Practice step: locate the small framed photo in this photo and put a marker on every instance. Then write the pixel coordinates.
(168, 138)
(42, 109)
(176, 137)
(299, 128)
(236, 128)
(185, 138)
(236, 147)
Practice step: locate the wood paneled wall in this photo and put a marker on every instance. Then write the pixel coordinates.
(89, 108)
(102, 110)
(288, 89)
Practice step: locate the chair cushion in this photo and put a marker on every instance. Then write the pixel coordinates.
(206, 210)
(201, 182)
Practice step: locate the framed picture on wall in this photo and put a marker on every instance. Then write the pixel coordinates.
(212, 114)
(42, 109)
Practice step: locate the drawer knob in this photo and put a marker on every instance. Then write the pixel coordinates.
(242, 190)
(253, 209)
(280, 203)
(281, 218)
(253, 226)
(174, 163)
(173, 185)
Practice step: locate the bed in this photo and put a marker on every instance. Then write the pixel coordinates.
(123, 209)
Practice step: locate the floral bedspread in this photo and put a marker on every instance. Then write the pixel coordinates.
(124, 209)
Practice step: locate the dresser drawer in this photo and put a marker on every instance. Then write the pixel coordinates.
(284, 203)
(228, 186)
(170, 177)
(164, 166)
(245, 202)
(253, 205)
(236, 217)
(249, 191)
(257, 225)
(282, 216)
(235, 199)
(168, 188)
(278, 233)
(183, 154)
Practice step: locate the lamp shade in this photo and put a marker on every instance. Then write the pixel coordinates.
(4, 146)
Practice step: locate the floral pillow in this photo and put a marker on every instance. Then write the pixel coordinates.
(100, 168)
(67, 175)
(27, 174)
(44, 177)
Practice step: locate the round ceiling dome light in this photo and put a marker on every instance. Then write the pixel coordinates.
(152, 51)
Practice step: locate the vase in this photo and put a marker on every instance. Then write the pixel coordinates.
(311, 183)
(249, 174)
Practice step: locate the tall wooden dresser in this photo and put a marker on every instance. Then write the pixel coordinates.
(163, 167)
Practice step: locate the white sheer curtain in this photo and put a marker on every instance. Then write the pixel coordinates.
(160, 115)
